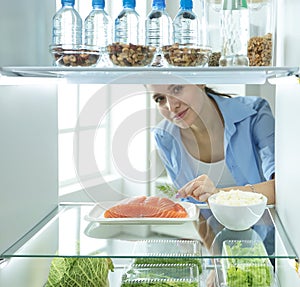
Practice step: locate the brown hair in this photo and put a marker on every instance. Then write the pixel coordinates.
(212, 91)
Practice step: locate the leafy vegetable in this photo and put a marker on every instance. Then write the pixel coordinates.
(249, 276)
(244, 255)
(170, 260)
(236, 277)
(245, 271)
(167, 189)
(79, 272)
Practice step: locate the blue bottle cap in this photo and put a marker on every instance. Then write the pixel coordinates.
(129, 4)
(68, 2)
(98, 4)
(159, 4)
(186, 4)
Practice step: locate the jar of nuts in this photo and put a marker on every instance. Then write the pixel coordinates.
(262, 30)
(75, 56)
(213, 20)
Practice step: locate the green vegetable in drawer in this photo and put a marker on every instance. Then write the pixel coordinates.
(243, 249)
(249, 276)
(243, 268)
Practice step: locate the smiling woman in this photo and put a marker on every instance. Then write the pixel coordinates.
(210, 141)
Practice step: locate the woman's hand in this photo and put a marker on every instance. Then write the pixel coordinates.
(201, 188)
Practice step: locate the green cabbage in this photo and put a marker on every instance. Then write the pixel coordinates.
(79, 272)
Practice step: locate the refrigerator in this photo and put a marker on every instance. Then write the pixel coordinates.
(29, 128)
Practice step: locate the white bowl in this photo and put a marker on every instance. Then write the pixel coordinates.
(236, 215)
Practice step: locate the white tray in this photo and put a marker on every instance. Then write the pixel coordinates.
(97, 215)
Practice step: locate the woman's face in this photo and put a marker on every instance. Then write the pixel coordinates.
(180, 104)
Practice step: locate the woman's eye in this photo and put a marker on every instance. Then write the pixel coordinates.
(159, 99)
(177, 89)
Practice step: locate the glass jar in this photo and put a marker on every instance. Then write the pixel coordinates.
(213, 23)
(235, 33)
(262, 31)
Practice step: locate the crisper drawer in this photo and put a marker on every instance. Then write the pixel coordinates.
(245, 263)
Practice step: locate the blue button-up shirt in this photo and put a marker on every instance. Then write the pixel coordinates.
(248, 142)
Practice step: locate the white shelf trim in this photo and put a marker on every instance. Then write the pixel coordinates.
(153, 75)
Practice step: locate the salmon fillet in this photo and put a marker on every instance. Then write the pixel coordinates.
(143, 206)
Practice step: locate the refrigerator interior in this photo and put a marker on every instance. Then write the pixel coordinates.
(26, 105)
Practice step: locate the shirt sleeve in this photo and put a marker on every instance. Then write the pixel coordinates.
(264, 137)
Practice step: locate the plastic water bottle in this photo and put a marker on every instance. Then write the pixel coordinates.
(127, 24)
(186, 25)
(98, 26)
(98, 31)
(67, 25)
(235, 33)
(159, 29)
(158, 25)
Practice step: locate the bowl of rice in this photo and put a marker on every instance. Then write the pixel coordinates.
(236, 209)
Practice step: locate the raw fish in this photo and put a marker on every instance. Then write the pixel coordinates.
(143, 206)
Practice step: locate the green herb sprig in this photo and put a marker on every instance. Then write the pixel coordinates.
(168, 190)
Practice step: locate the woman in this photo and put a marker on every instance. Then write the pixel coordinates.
(210, 141)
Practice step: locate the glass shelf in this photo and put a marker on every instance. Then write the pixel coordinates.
(66, 233)
(152, 75)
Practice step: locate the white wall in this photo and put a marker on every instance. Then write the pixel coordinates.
(287, 169)
(288, 133)
(28, 121)
(288, 34)
(25, 32)
(28, 153)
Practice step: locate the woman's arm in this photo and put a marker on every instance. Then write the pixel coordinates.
(267, 188)
(201, 188)
(263, 134)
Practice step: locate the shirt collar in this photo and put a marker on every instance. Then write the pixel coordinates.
(233, 110)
